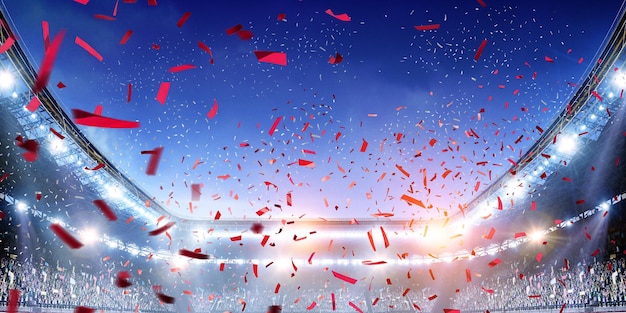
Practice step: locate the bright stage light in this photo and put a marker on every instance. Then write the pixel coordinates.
(566, 144)
(57, 146)
(6, 80)
(89, 236)
(604, 205)
(21, 206)
(536, 236)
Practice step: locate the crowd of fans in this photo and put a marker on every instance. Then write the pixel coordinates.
(578, 285)
(598, 283)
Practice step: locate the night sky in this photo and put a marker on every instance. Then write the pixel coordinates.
(427, 101)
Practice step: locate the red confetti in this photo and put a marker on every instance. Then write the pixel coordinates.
(549, 59)
(34, 104)
(46, 35)
(427, 27)
(61, 85)
(155, 156)
(69, 240)
(492, 232)
(106, 210)
(7, 44)
(363, 146)
(196, 191)
(165, 298)
(129, 93)
(96, 120)
(468, 275)
(13, 301)
(273, 128)
(281, 16)
(127, 35)
(386, 241)
(79, 41)
(278, 58)
(335, 59)
(183, 19)
(48, 62)
(342, 17)
(354, 306)
(245, 34)
(412, 200)
(311, 306)
(164, 89)
(277, 288)
(494, 262)
(480, 49)
(213, 111)
(31, 146)
(180, 68)
(235, 238)
(122, 280)
(233, 30)
(193, 255)
(344, 278)
(482, 3)
(104, 17)
(161, 229)
(83, 309)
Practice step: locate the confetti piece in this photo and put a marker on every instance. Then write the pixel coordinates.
(83, 2)
(382, 230)
(69, 240)
(33, 104)
(233, 30)
(494, 262)
(161, 229)
(539, 257)
(427, 27)
(96, 120)
(164, 89)
(165, 298)
(468, 275)
(153, 163)
(43, 75)
(122, 280)
(45, 27)
(213, 110)
(79, 41)
(104, 17)
(277, 288)
(61, 85)
(344, 278)
(278, 58)
(480, 49)
(335, 59)
(126, 36)
(83, 309)
(7, 44)
(311, 306)
(152, 3)
(106, 210)
(355, 307)
(342, 17)
(31, 146)
(183, 19)
(274, 125)
(180, 68)
(549, 59)
(363, 145)
(235, 238)
(193, 254)
(196, 191)
(257, 228)
(433, 297)
(492, 232)
(412, 200)
(371, 239)
(520, 234)
(482, 3)
(264, 240)
(13, 301)
(245, 34)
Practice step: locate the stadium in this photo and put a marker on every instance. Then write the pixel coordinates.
(295, 156)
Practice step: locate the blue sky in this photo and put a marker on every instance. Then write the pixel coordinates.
(394, 79)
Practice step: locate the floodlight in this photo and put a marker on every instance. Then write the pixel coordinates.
(6, 80)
